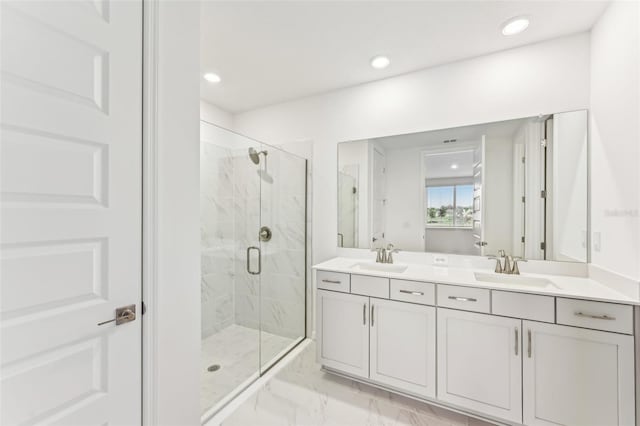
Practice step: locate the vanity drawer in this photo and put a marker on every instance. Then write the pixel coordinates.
(370, 286)
(335, 281)
(464, 298)
(596, 315)
(526, 306)
(413, 291)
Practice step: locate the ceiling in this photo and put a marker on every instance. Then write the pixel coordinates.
(439, 165)
(270, 51)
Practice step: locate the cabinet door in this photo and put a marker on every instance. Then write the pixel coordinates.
(343, 332)
(403, 346)
(479, 363)
(574, 376)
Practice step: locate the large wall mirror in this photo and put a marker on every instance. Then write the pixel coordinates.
(517, 185)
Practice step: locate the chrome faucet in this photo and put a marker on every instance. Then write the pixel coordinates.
(510, 263)
(390, 250)
(381, 254)
(385, 255)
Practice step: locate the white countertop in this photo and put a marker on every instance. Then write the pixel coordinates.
(566, 286)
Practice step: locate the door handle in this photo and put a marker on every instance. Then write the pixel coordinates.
(529, 343)
(124, 315)
(517, 342)
(259, 260)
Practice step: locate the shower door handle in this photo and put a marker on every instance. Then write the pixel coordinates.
(249, 260)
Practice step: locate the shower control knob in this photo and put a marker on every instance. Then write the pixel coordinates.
(265, 233)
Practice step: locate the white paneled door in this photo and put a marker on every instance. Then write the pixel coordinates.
(574, 376)
(479, 363)
(70, 149)
(403, 346)
(343, 331)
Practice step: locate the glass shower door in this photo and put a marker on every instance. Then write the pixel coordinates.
(230, 303)
(283, 248)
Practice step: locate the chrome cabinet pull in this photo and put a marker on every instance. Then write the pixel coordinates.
(415, 293)
(364, 314)
(529, 343)
(516, 345)
(463, 299)
(259, 260)
(602, 317)
(331, 281)
(372, 307)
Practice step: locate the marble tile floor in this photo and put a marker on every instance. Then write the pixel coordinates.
(302, 394)
(236, 349)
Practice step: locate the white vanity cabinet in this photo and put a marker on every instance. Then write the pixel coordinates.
(519, 358)
(343, 332)
(403, 346)
(479, 362)
(574, 376)
(389, 342)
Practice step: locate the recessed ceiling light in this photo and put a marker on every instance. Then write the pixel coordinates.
(212, 77)
(379, 62)
(515, 25)
(454, 166)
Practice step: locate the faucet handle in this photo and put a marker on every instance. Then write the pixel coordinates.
(514, 269)
(502, 253)
(380, 254)
(390, 253)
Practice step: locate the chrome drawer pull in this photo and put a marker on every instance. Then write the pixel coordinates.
(463, 299)
(602, 317)
(331, 281)
(415, 293)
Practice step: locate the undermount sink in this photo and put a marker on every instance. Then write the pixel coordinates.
(384, 267)
(514, 279)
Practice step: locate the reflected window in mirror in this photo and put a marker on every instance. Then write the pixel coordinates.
(449, 206)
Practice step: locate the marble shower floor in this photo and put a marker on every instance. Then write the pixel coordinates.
(236, 349)
(302, 394)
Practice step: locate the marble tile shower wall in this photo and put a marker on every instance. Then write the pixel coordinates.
(281, 285)
(217, 238)
(237, 197)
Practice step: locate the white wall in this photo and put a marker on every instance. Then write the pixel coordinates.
(568, 188)
(173, 396)
(451, 240)
(541, 78)
(615, 135)
(215, 115)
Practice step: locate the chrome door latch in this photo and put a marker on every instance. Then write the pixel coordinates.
(124, 315)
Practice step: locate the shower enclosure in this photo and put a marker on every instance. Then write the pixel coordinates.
(253, 248)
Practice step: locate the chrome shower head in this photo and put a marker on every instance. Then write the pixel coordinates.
(255, 155)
